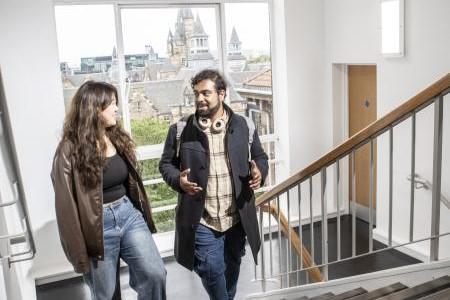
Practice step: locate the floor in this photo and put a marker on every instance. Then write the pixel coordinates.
(182, 284)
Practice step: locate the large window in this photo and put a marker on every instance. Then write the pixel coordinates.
(158, 50)
(86, 49)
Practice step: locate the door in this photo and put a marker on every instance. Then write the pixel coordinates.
(362, 93)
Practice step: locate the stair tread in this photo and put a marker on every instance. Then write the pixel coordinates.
(421, 289)
(326, 296)
(375, 294)
(441, 295)
(350, 294)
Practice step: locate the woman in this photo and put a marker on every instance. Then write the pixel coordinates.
(101, 206)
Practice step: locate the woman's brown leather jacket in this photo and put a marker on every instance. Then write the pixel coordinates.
(79, 211)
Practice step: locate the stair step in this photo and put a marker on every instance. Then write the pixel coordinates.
(420, 290)
(350, 294)
(323, 297)
(375, 294)
(442, 295)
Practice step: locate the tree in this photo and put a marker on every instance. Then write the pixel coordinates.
(150, 131)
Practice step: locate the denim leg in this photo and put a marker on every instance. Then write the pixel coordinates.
(138, 250)
(102, 278)
(234, 250)
(209, 262)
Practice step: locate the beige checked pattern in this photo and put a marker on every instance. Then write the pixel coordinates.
(220, 208)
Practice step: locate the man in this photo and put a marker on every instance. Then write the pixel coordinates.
(208, 165)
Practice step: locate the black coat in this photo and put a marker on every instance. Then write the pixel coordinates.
(194, 154)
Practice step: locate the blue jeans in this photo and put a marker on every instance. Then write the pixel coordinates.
(218, 259)
(126, 236)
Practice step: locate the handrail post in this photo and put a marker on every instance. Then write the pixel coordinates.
(289, 245)
(311, 219)
(413, 171)
(323, 202)
(300, 232)
(391, 181)
(371, 195)
(338, 209)
(263, 260)
(353, 159)
(437, 168)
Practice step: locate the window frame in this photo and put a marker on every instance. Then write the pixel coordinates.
(164, 240)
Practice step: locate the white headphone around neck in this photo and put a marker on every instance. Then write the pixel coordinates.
(217, 126)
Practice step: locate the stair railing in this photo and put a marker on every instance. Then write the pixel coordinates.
(18, 246)
(288, 198)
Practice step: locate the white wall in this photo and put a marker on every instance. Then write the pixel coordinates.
(427, 59)
(29, 65)
(352, 37)
(309, 114)
(308, 131)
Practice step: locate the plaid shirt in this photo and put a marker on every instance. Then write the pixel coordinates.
(220, 211)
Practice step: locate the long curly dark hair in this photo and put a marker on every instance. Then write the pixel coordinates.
(85, 129)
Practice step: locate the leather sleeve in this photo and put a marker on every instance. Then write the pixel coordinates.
(71, 235)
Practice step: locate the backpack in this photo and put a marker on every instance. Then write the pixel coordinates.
(251, 130)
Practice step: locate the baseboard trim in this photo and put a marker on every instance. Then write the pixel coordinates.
(362, 212)
(404, 249)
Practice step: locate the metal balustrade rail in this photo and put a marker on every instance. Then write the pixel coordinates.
(19, 246)
(279, 200)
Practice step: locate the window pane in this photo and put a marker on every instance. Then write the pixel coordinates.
(164, 48)
(86, 49)
(149, 169)
(162, 200)
(250, 71)
(164, 220)
(249, 62)
(390, 26)
(149, 131)
(160, 194)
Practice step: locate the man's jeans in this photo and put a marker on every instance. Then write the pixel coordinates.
(218, 259)
(127, 236)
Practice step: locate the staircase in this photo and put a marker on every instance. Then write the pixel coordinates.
(292, 205)
(435, 289)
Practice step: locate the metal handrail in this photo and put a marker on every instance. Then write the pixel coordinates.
(432, 96)
(422, 183)
(19, 201)
(373, 130)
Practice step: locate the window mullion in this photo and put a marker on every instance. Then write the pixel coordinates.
(222, 39)
(124, 87)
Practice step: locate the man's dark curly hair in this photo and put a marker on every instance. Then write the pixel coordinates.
(213, 75)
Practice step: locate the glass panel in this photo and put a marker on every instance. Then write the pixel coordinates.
(160, 194)
(149, 131)
(164, 48)
(164, 220)
(149, 169)
(390, 26)
(249, 63)
(86, 49)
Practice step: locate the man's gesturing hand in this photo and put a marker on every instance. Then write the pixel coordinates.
(189, 187)
(255, 181)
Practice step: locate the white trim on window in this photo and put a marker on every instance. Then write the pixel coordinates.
(279, 83)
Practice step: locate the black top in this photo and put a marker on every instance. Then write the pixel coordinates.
(115, 174)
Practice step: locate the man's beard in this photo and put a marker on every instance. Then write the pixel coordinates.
(209, 112)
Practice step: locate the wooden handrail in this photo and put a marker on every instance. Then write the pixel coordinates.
(371, 130)
(308, 262)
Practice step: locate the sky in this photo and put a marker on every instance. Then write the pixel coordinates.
(88, 30)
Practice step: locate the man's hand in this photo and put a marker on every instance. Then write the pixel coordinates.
(189, 187)
(255, 181)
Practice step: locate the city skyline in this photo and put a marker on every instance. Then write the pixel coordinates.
(80, 39)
